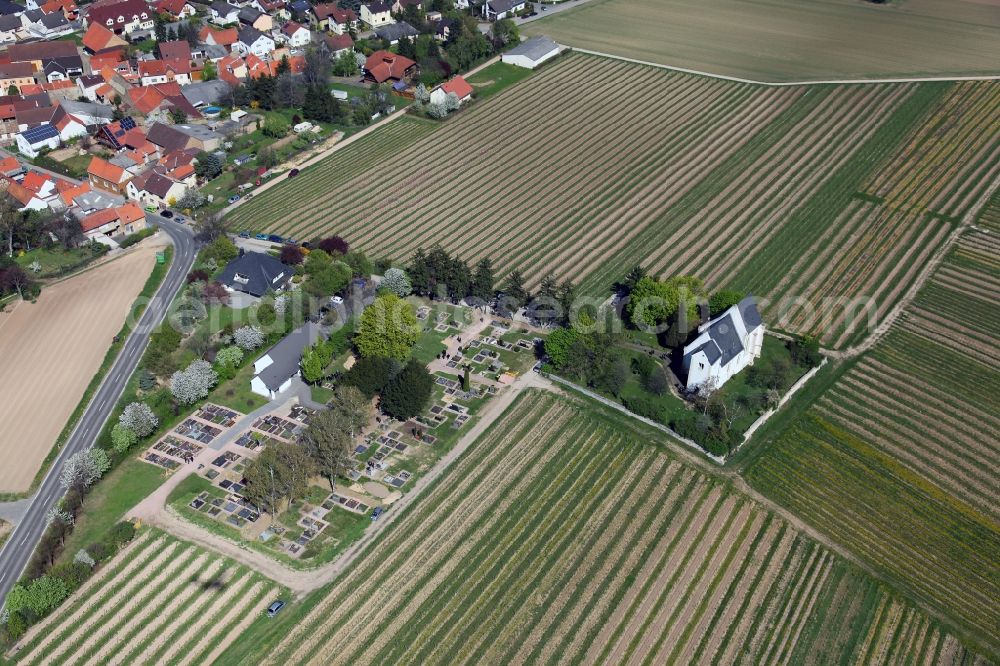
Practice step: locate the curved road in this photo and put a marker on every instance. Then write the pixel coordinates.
(17, 550)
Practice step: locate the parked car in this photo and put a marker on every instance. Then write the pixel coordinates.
(180, 219)
(377, 512)
(167, 214)
(293, 173)
(306, 245)
(151, 209)
(336, 300)
(275, 607)
(244, 234)
(261, 236)
(274, 238)
(289, 241)
(233, 198)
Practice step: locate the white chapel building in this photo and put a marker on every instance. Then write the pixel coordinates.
(724, 346)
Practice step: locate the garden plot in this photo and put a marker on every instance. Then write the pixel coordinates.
(160, 600)
(171, 452)
(190, 437)
(221, 416)
(556, 538)
(198, 431)
(287, 430)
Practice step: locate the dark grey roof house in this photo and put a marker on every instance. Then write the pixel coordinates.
(394, 32)
(724, 346)
(255, 273)
(205, 93)
(274, 370)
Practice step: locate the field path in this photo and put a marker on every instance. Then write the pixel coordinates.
(785, 84)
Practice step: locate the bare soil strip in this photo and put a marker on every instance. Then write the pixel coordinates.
(40, 389)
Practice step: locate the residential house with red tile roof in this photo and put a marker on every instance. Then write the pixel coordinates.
(122, 17)
(25, 199)
(257, 67)
(232, 69)
(155, 100)
(39, 54)
(69, 191)
(16, 74)
(274, 7)
(107, 176)
(457, 85)
(337, 44)
(33, 116)
(113, 59)
(154, 188)
(153, 72)
(177, 49)
(331, 16)
(225, 37)
(98, 38)
(68, 8)
(295, 34)
(176, 9)
(10, 166)
(118, 221)
(386, 66)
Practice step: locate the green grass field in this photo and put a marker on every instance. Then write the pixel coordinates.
(789, 40)
(560, 538)
(831, 196)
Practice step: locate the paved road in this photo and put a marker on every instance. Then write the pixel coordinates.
(17, 550)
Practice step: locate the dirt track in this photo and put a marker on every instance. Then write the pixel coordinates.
(51, 349)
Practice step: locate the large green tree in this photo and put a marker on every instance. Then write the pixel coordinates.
(279, 474)
(329, 444)
(388, 328)
(409, 391)
(371, 374)
(653, 303)
(353, 406)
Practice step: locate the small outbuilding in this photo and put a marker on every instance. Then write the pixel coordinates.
(457, 85)
(531, 53)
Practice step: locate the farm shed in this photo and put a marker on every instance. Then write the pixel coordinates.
(531, 53)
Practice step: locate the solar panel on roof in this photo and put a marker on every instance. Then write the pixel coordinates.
(127, 123)
(40, 133)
